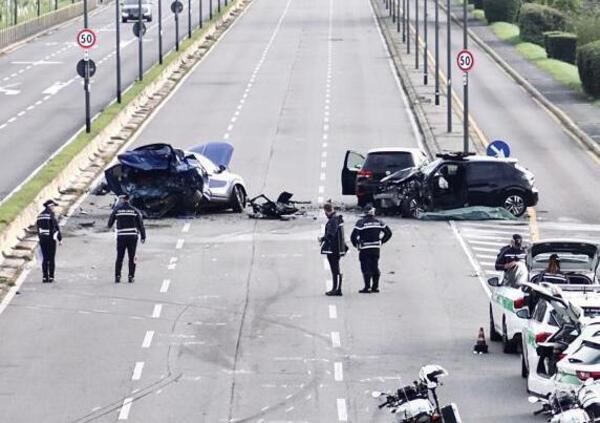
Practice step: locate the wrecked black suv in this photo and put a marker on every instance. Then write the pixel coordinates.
(454, 181)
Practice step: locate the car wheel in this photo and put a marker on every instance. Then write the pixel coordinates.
(494, 335)
(508, 346)
(238, 199)
(409, 207)
(515, 204)
(524, 369)
(124, 20)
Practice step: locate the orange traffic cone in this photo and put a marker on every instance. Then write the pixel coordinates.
(481, 346)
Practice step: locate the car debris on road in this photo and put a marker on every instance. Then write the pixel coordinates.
(284, 208)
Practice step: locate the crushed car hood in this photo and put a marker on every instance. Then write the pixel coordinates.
(402, 175)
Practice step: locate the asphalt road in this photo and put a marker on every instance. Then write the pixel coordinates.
(41, 95)
(227, 320)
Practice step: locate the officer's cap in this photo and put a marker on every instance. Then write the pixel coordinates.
(49, 203)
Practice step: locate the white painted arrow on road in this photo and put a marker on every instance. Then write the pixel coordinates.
(7, 90)
(56, 87)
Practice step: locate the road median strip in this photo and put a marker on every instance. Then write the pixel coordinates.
(69, 173)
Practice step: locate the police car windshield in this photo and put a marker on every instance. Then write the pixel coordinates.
(430, 167)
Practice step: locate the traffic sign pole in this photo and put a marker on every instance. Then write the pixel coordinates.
(189, 18)
(86, 88)
(176, 29)
(416, 34)
(426, 40)
(465, 86)
(200, 14)
(140, 36)
(160, 34)
(407, 26)
(437, 52)
(85, 14)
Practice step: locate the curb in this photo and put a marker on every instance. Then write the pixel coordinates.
(572, 128)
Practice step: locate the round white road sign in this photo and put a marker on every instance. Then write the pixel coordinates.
(465, 60)
(86, 38)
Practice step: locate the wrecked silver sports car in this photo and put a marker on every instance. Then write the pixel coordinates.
(163, 180)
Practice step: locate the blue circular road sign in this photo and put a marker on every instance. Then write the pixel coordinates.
(498, 148)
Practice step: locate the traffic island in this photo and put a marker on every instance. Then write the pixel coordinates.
(68, 175)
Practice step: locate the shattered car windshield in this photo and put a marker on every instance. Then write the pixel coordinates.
(430, 167)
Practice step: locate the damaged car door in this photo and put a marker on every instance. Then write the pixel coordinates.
(353, 162)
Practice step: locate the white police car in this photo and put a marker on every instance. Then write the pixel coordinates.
(509, 304)
(545, 321)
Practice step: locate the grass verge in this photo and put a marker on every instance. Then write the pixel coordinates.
(11, 208)
(565, 73)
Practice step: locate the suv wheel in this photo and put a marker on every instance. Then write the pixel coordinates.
(515, 204)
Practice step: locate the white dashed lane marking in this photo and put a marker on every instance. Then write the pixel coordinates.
(332, 311)
(137, 370)
(342, 410)
(179, 244)
(335, 340)
(157, 310)
(124, 413)
(165, 285)
(148, 339)
(338, 371)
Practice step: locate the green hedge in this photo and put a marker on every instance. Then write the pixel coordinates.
(588, 64)
(561, 45)
(478, 4)
(501, 10)
(535, 19)
(588, 29)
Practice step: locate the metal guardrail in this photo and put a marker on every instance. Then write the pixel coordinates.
(33, 26)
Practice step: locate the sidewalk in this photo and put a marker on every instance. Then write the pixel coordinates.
(575, 105)
(431, 118)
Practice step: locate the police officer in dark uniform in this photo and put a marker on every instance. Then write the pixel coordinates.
(368, 235)
(129, 225)
(509, 255)
(48, 234)
(333, 245)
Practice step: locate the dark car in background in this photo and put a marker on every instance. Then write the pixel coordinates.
(361, 176)
(454, 181)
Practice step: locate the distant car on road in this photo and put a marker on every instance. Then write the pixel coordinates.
(130, 10)
(361, 176)
(455, 180)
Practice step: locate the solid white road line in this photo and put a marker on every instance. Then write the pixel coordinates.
(157, 310)
(137, 370)
(342, 410)
(338, 371)
(471, 259)
(165, 285)
(332, 311)
(124, 413)
(335, 340)
(148, 339)
(179, 244)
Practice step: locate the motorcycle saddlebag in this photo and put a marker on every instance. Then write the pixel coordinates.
(450, 414)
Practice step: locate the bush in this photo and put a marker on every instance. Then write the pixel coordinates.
(588, 64)
(535, 19)
(501, 10)
(567, 6)
(561, 46)
(588, 29)
(478, 4)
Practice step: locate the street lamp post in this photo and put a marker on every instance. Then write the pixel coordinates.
(160, 33)
(200, 17)
(448, 70)
(210, 10)
(437, 52)
(416, 34)
(426, 49)
(407, 26)
(189, 18)
(118, 47)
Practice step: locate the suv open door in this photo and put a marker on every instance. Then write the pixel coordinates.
(353, 162)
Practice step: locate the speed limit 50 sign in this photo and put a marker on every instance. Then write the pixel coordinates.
(86, 38)
(465, 60)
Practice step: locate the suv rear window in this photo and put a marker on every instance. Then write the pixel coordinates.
(392, 161)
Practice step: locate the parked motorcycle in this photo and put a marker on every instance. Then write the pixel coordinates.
(418, 402)
(580, 406)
